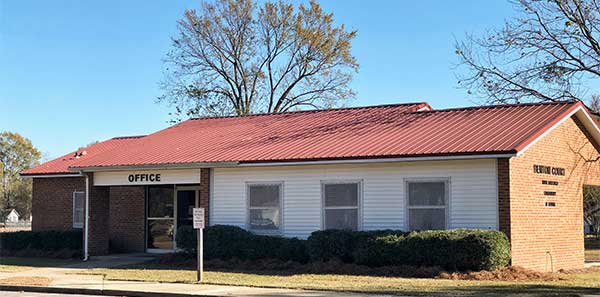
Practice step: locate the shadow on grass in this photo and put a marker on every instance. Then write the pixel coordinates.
(512, 289)
(293, 268)
(416, 288)
(38, 262)
(420, 287)
(526, 291)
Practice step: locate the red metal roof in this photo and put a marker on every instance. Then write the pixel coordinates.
(349, 133)
(61, 165)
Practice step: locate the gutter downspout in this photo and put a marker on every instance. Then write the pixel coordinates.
(87, 218)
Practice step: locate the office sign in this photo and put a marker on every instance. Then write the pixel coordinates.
(147, 177)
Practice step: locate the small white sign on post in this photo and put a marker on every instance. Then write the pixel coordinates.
(198, 218)
(198, 214)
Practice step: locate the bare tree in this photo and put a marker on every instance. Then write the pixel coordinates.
(550, 52)
(236, 57)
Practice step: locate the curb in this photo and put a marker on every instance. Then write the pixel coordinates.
(81, 291)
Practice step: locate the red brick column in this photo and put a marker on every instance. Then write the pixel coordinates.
(99, 218)
(205, 192)
(503, 168)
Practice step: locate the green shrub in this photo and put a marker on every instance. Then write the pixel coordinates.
(342, 244)
(42, 240)
(452, 249)
(380, 250)
(331, 244)
(482, 250)
(226, 242)
(229, 242)
(186, 239)
(293, 249)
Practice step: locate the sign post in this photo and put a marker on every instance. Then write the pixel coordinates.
(199, 226)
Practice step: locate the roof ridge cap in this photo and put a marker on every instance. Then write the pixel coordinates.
(128, 137)
(420, 103)
(492, 106)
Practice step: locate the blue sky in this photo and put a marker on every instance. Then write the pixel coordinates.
(72, 72)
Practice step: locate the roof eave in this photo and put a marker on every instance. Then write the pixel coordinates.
(579, 110)
(50, 175)
(355, 160)
(165, 166)
(439, 157)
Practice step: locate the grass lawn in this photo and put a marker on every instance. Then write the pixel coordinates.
(592, 249)
(14, 264)
(574, 284)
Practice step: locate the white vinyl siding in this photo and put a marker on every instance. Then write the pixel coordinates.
(78, 209)
(473, 192)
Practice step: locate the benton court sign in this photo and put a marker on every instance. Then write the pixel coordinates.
(543, 169)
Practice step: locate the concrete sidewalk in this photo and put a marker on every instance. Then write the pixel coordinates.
(65, 280)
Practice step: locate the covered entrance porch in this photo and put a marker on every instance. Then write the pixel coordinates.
(126, 214)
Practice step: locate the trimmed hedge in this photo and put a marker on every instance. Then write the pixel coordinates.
(47, 241)
(341, 244)
(451, 249)
(228, 242)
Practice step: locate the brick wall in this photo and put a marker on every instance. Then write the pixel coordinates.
(205, 192)
(503, 167)
(52, 202)
(99, 219)
(543, 237)
(127, 219)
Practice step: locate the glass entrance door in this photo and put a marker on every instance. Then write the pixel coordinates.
(168, 208)
(160, 228)
(186, 201)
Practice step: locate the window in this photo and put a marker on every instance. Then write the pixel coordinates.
(340, 205)
(264, 207)
(78, 209)
(427, 205)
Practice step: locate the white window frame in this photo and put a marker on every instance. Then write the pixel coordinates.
(78, 225)
(359, 202)
(279, 230)
(446, 181)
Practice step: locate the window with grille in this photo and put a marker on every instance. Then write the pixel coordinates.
(341, 205)
(264, 207)
(78, 209)
(427, 205)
